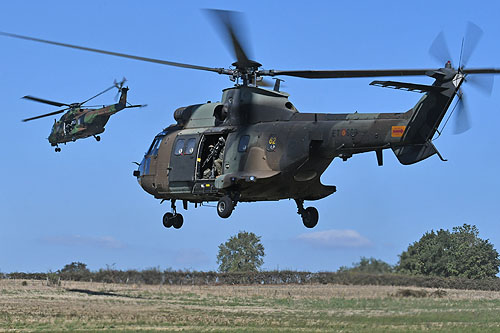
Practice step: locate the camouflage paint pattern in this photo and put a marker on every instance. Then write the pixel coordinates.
(79, 123)
(286, 151)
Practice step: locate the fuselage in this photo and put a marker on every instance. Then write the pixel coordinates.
(79, 123)
(272, 151)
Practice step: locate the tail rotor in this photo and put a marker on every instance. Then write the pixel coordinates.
(119, 86)
(484, 82)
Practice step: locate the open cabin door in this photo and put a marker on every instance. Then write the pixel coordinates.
(209, 162)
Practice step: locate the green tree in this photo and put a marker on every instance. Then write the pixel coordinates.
(76, 271)
(241, 253)
(368, 265)
(458, 253)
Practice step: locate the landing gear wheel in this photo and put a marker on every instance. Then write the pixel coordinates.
(225, 207)
(98, 138)
(310, 217)
(168, 220)
(57, 149)
(178, 221)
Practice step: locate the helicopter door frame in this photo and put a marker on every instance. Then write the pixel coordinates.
(206, 140)
(183, 162)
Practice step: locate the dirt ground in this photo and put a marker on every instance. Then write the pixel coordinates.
(33, 305)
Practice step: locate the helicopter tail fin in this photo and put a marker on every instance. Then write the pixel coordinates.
(426, 116)
(123, 97)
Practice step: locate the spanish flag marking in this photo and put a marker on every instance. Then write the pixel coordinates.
(397, 131)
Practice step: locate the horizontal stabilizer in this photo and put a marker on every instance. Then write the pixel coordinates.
(410, 154)
(421, 88)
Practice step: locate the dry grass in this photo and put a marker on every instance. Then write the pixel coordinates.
(97, 306)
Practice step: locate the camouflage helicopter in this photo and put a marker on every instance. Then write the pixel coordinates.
(77, 122)
(254, 145)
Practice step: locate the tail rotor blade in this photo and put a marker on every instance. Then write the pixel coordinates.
(462, 121)
(472, 36)
(484, 83)
(439, 49)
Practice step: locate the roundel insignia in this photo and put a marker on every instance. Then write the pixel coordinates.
(271, 143)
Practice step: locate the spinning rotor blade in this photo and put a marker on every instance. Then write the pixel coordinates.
(462, 122)
(45, 115)
(119, 86)
(226, 22)
(46, 101)
(117, 54)
(439, 49)
(472, 36)
(333, 74)
(99, 94)
(484, 83)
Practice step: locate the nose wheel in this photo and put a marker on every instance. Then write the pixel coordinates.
(310, 215)
(173, 219)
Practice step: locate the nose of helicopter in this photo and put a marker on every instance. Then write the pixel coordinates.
(144, 178)
(140, 170)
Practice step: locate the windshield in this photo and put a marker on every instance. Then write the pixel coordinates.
(153, 149)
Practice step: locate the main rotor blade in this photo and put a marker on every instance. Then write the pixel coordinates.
(45, 115)
(472, 36)
(123, 55)
(99, 94)
(46, 101)
(333, 74)
(439, 49)
(226, 20)
(481, 71)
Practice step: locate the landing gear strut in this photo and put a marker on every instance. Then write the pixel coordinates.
(310, 215)
(173, 219)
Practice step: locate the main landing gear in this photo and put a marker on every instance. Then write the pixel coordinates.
(310, 215)
(226, 205)
(173, 219)
(97, 138)
(57, 149)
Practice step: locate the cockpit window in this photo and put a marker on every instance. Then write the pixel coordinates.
(179, 147)
(81, 120)
(190, 146)
(153, 150)
(243, 145)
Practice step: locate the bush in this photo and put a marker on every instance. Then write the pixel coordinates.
(366, 265)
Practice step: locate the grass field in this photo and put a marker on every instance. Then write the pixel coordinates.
(32, 305)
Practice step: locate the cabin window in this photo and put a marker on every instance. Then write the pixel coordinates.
(243, 145)
(81, 120)
(179, 147)
(190, 146)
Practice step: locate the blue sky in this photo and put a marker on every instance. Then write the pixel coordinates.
(83, 204)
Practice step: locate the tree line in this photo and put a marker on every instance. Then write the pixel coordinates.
(445, 259)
